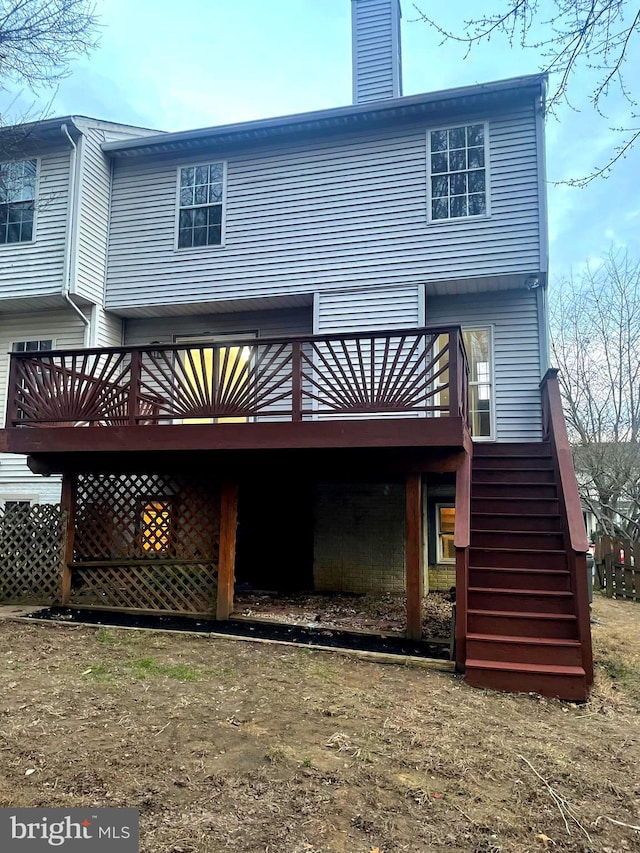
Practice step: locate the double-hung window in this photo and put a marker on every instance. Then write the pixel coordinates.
(457, 172)
(17, 200)
(200, 205)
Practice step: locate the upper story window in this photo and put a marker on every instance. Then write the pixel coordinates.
(457, 172)
(17, 200)
(200, 205)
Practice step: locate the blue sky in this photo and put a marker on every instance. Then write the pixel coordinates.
(198, 63)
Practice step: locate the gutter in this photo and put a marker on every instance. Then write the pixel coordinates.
(70, 242)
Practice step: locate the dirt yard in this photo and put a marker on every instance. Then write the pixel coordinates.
(230, 745)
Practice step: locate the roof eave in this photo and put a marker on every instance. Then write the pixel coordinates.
(336, 119)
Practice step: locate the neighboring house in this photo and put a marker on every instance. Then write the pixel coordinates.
(55, 192)
(261, 273)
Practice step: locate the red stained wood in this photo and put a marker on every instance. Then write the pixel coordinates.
(387, 432)
(68, 503)
(414, 556)
(398, 371)
(576, 542)
(227, 555)
(462, 539)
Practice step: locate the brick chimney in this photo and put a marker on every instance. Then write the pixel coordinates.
(377, 55)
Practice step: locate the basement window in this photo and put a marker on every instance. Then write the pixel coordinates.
(155, 528)
(445, 525)
(17, 201)
(200, 205)
(458, 172)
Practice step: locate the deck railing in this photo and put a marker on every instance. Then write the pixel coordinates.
(401, 373)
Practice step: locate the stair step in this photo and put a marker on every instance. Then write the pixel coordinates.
(501, 489)
(516, 448)
(538, 474)
(509, 578)
(522, 461)
(492, 647)
(521, 505)
(517, 558)
(541, 540)
(514, 520)
(514, 623)
(562, 682)
(521, 600)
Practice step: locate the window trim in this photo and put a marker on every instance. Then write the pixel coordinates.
(489, 328)
(487, 175)
(223, 218)
(34, 233)
(440, 558)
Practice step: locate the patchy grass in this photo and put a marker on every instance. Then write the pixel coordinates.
(226, 745)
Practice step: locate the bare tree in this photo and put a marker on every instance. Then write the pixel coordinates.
(573, 38)
(595, 327)
(40, 38)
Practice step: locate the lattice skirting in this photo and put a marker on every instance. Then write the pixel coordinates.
(158, 587)
(146, 541)
(31, 553)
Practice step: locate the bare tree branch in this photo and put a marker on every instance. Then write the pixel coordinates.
(595, 326)
(580, 36)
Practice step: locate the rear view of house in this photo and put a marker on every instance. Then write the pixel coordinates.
(326, 368)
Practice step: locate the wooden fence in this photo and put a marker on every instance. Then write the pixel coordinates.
(31, 553)
(618, 568)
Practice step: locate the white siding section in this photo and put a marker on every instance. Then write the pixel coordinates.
(266, 323)
(367, 310)
(66, 331)
(93, 221)
(37, 269)
(108, 328)
(347, 212)
(513, 316)
(376, 50)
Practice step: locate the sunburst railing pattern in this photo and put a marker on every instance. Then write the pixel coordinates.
(400, 372)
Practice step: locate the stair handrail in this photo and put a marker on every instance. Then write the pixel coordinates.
(462, 542)
(576, 542)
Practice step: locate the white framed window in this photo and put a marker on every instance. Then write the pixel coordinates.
(478, 343)
(201, 198)
(445, 527)
(32, 346)
(17, 201)
(458, 179)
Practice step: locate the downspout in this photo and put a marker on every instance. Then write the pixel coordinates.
(70, 238)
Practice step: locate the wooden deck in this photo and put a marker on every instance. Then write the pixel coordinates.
(394, 388)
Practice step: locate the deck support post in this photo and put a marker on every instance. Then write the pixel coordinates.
(68, 503)
(414, 556)
(227, 549)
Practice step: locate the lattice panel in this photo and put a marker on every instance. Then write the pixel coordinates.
(31, 553)
(146, 541)
(368, 374)
(158, 586)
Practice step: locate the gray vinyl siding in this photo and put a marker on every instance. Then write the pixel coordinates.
(376, 50)
(94, 204)
(66, 331)
(347, 212)
(37, 268)
(513, 316)
(93, 220)
(109, 328)
(367, 310)
(294, 321)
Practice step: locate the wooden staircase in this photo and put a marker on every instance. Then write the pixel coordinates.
(523, 610)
